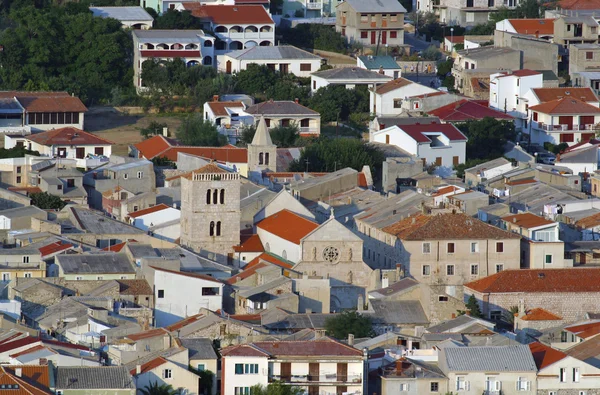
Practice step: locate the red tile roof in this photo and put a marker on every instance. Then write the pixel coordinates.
(249, 243)
(465, 110)
(115, 247)
(25, 189)
(67, 136)
(580, 4)
(527, 220)
(419, 132)
(46, 101)
(18, 343)
(585, 331)
(549, 94)
(34, 380)
(162, 147)
(288, 225)
(148, 366)
(545, 356)
(170, 54)
(588, 222)
(393, 85)
(322, 347)
(184, 322)
(188, 274)
(230, 14)
(574, 280)
(155, 145)
(149, 210)
(566, 105)
(455, 39)
(54, 248)
(539, 314)
(263, 260)
(134, 287)
(147, 334)
(28, 351)
(525, 73)
(219, 107)
(445, 190)
(521, 182)
(535, 27)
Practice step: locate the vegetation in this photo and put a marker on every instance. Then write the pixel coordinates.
(153, 129)
(205, 381)
(556, 149)
(65, 49)
(282, 136)
(264, 83)
(16, 152)
(163, 162)
(173, 19)
(444, 72)
(156, 389)
(472, 308)
(349, 322)
(195, 131)
(325, 155)
(460, 169)
(45, 201)
(314, 36)
(482, 29)
(487, 137)
(276, 388)
(335, 102)
(510, 316)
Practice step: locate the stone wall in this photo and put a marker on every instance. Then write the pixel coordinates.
(9, 199)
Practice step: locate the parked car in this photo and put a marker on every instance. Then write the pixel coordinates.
(546, 158)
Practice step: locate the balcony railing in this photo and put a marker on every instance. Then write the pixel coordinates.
(314, 5)
(308, 130)
(566, 128)
(323, 378)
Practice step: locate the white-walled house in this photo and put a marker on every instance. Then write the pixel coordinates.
(163, 371)
(507, 92)
(286, 113)
(322, 366)
(87, 149)
(227, 113)
(439, 144)
(181, 294)
(350, 77)
(380, 64)
(161, 221)
(387, 99)
(284, 58)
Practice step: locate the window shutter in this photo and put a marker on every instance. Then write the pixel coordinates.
(408, 387)
(528, 385)
(498, 385)
(467, 385)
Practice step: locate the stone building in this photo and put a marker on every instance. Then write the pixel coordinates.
(262, 153)
(210, 211)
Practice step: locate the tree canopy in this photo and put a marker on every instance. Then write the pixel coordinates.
(158, 389)
(195, 131)
(335, 100)
(276, 388)
(487, 137)
(314, 36)
(45, 201)
(174, 20)
(265, 83)
(349, 322)
(18, 151)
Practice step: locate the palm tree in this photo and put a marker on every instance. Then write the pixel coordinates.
(156, 389)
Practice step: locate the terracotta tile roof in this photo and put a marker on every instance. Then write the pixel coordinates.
(588, 222)
(170, 54)
(154, 146)
(18, 343)
(585, 331)
(445, 190)
(188, 274)
(46, 101)
(362, 180)
(211, 168)
(566, 105)
(25, 189)
(249, 243)
(533, 26)
(54, 248)
(263, 260)
(28, 351)
(230, 14)
(586, 350)
(527, 220)
(539, 314)
(480, 84)
(288, 225)
(272, 175)
(321, 347)
(219, 107)
(419, 132)
(580, 4)
(67, 136)
(115, 247)
(465, 110)
(455, 39)
(525, 73)
(134, 287)
(392, 85)
(433, 94)
(147, 334)
(545, 356)
(149, 210)
(521, 182)
(34, 380)
(148, 366)
(183, 323)
(222, 154)
(549, 94)
(446, 226)
(573, 280)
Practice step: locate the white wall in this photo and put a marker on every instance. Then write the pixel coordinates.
(317, 82)
(169, 232)
(180, 378)
(232, 380)
(156, 218)
(385, 102)
(277, 245)
(178, 302)
(505, 26)
(293, 64)
(548, 378)
(396, 137)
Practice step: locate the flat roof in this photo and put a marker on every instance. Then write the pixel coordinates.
(122, 13)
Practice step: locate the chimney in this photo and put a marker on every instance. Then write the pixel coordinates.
(18, 372)
(319, 333)
(296, 100)
(308, 311)
(166, 131)
(138, 369)
(350, 339)
(216, 98)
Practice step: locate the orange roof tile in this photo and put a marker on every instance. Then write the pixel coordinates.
(406, 226)
(149, 210)
(288, 225)
(230, 14)
(585, 331)
(525, 73)
(532, 27)
(219, 107)
(249, 243)
(580, 4)
(566, 105)
(527, 220)
(148, 366)
(46, 101)
(184, 322)
(455, 39)
(67, 136)
(115, 247)
(545, 356)
(54, 248)
(147, 334)
(539, 314)
(392, 85)
(573, 280)
(445, 190)
(521, 182)
(588, 222)
(362, 180)
(34, 380)
(549, 94)
(263, 260)
(154, 146)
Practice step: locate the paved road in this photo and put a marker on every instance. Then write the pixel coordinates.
(423, 79)
(418, 45)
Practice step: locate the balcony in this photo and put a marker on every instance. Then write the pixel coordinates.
(305, 131)
(314, 5)
(567, 128)
(323, 378)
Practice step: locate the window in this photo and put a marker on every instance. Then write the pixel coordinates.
(576, 375)
(18, 169)
(25, 259)
(364, 34)
(125, 176)
(99, 150)
(305, 67)
(551, 392)
(78, 278)
(500, 247)
(242, 390)
(364, 18)
(18, 179)
(397, 103)
(161, 293)
(426, 248)
(210, 291)
(222, 194)
(393, 18)
(27, 275)
(523, 384)
(140, 174)
(548, 259)
(450, 248)
(393, 34)
(474, 247)
(582, 393)
(450, 270)
(495, 315)
(563, 337)
(100, 278)
(5, 276)
(239, 368)
(499, 267)
(426, 270)
(59, 187)
(201, 367)
(563, 375)
(434, 387)
(403, 387)
(475, 270)
(491, 384)
(442, 298)
(462, 384)
(249, 368)
(167, 374)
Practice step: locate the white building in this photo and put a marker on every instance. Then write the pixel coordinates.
(285, 59)
(161, 221)
(386, 65)
(193, 47)
(68, 143)
(439, 144)
(235, 26)
(173, 299)
(507, 92)
(539, 28)
(350, 77)
(323, 366)
(162, 371)
(387, 99)
(130, 17)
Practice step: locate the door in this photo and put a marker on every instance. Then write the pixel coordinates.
(566, 120)
(313, 390)
(384, 37)
(387, 138)
(313, 371)
(567, 137)
(587, 136)
(228, 67)
(373, 38)
(438, 161)
(284, 68)
(585, 120)
(341, 389)
(62, 152)
(79, 152)
(582, 258)
(455, 160)
(286, 371)
(342, 372)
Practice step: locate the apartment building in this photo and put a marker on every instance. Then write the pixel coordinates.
(570, 30)
(465, 12)
(479, 62)
(371, 22)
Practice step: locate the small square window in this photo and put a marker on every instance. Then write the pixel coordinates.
(500, 247)
(167, 374)
(125, 176)
(589, 55)
(474, 247)
(161, 293)
(426, 270)
(548, 259)
(450, 248)
(474, 270)
(442, 298)
(499, 268)
(434, 387)
(450, 270)
(426, 248)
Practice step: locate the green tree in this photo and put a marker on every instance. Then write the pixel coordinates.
(314, 36)
(247, 135)
(18, 151)
(335, 102)
(482, 29)
(276, 388)
(45, 201)
(156, 389)
(444, 68)
(473, 307)
(510, 315)
(487, 137)
(285, 136)
(205, 381)
(195, 131)
(176, 20)
(153, 129)
(432, 53)
(255, 79)
(349, 322)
